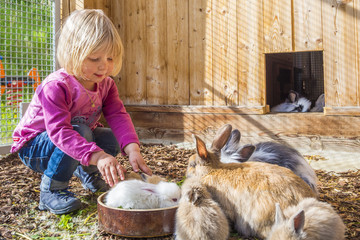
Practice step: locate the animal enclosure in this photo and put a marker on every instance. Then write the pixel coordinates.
(193, 65)
(27, 49)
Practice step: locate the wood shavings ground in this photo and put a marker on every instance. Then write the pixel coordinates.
(21, 219)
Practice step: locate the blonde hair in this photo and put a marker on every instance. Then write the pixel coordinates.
(84, 32)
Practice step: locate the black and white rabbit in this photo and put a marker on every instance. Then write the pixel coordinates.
(319, 104)
(268, 152)
(293, 103)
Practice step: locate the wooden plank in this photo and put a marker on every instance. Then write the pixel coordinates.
(178, 51)
(97, 4)
(117, 15)
(156, 75)
(339, 56)
(224, 49)
(357, 30)
(209, 55)
(196, 109)
(251, 61)
(346, 111)
(277, 26)
(200, 44)
(135, 51)
(78, 4)
(65, 9)
(307, 25)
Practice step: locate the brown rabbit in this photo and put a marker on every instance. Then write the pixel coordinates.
(246, 192)
(199, 217)
(154, 179)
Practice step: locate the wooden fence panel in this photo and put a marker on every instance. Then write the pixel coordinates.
(178, 52)
(104, 5)
(200, 45)
(307, 25)
(156, 57)
(251, 62)
(211, 52)
(68, 6)
(357, 24)
(277, 26)
(135, 51)
(339, 57)
(117, 15)
(224, 52)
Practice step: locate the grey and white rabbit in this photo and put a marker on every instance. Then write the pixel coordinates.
(138, 194)
(310, 220)
(246, 192)
(319, 104)
(268, 152)
(198, 216)
(293, 103)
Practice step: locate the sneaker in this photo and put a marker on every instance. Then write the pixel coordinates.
(59, 201)
(92, 182)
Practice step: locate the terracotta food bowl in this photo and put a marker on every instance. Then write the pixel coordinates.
(136, 223)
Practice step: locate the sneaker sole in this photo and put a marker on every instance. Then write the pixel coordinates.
(93, 190)
(69, 209)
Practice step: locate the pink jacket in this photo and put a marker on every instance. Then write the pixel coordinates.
(61, 101)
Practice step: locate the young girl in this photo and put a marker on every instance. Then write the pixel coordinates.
(60, 135)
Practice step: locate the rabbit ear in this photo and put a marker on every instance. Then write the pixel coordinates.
(298, 221)
(200, 147)
(144, 177)
(279, 216)
(233, 141)
(150, 188)
(221, 137)
(246, 152)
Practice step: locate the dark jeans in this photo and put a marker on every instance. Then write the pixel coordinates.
(41, 155)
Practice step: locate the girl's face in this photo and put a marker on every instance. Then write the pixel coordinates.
(96, 67)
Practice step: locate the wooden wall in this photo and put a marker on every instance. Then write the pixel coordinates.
(192, 65)
(211, 52)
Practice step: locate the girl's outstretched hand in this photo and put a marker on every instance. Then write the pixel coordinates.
(108, 166)
(135, 158)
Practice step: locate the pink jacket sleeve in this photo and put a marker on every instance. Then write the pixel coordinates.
(118, 119)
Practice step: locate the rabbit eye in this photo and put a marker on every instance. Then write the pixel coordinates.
(174, 199)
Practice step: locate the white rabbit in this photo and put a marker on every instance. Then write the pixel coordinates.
(293, 103)
(310, 219)
(269, 152)
(137, 194)
(199, 217)
(245, 192)
(319, 104)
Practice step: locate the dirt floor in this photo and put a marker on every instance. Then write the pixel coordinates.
(21, 219)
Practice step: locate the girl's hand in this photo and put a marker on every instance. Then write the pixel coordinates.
(108, 166)
(135, 158)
